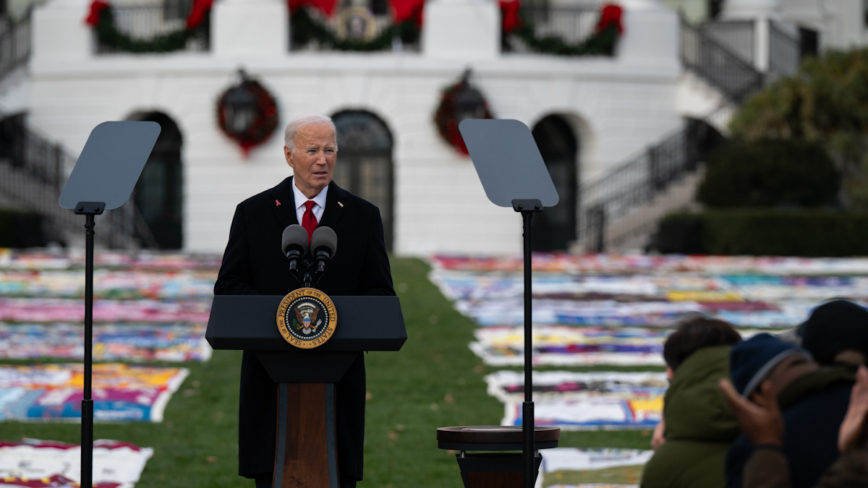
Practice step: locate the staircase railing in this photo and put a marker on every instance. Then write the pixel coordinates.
(651, 172)
(736, 78)
(14, 43)
(33, 171)
(642, 177)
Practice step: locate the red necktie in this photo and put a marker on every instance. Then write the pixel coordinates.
(308, 220)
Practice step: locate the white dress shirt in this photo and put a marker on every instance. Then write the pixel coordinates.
(300, 200)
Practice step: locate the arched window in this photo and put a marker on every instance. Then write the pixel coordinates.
(364, 165)
(159, 192)
(555, 228)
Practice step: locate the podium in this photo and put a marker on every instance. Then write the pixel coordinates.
(306, 449)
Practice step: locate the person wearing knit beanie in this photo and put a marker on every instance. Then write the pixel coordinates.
(837, 331)
(752, 361)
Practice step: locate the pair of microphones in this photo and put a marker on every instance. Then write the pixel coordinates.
(323, 245)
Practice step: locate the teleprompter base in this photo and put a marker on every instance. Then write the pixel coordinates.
(493, 469)
(306, 451)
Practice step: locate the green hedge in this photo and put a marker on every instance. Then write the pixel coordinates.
(769, 173)
(22, 229)
(764, 232)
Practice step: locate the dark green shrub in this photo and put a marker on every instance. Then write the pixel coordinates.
(21, 229)
(766, 232)
(680, 233)
(770, 173)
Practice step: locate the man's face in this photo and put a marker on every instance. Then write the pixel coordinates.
(313, 158)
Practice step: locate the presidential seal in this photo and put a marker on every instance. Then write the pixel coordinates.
(306, 318)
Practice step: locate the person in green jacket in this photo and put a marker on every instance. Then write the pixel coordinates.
(698, 425)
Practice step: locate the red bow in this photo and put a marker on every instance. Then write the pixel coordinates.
(407, 9)
(509, 12)
(198, 12)
(610, 14)
(325, 6)
(96, 8)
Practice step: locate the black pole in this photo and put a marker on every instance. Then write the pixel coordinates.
(89, 210)
(87, 402)
(527, 415)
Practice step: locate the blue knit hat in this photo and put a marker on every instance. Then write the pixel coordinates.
(752, 360)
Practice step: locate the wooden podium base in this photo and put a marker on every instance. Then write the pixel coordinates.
(306, 453)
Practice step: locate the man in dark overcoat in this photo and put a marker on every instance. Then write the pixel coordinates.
(254, 264)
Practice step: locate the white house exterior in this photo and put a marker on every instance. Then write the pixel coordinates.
(615, 106)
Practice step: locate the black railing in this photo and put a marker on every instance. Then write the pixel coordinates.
(33, 171)
(570, 24)
(160, 24)
(736, 78)
(784, 51)
(14, 43)
(356, 28)
(738, 36)
(644, 176)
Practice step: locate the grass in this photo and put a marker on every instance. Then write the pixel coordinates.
(434, 381)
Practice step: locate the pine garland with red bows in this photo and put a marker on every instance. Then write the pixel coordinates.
(601, 43)
(101, 18)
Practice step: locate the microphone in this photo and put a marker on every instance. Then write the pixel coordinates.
(294, 244)
(323, 245)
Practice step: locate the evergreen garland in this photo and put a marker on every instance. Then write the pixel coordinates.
(108, 34)
(600, 44)
(305, 29)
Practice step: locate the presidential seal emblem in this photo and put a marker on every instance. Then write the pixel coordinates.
(306, 318)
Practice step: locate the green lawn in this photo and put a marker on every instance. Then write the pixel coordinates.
(433, 381)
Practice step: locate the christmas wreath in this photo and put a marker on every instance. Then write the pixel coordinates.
(247, 113)
(446, 117)
(601, 43)
(102, 19)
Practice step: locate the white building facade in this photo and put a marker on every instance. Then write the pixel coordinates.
(614, 107)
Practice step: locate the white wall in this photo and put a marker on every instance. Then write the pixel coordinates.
(841, 22)
(619, 105)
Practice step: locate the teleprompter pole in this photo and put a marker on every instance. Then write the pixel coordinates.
(527, 209)
(89, 210)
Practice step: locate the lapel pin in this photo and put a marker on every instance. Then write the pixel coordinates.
(276, 202)
(341, 204)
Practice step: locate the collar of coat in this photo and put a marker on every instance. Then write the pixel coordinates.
(814, 382)
(336, 204)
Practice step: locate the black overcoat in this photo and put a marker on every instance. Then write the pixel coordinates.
(253, 264)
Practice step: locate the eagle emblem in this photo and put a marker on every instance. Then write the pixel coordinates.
(306, 318)
(306, 322)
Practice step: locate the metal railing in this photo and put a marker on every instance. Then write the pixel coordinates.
(736, 78)
(571, 24)
(738, 36)
(643, 177)
(159, 23)
(784, 52)
(355, 28)
(33, 171)
(721, 53)
(14, 43)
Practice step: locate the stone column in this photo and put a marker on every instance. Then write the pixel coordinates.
(249, 28)
(59, 32)
(761, 12)
(650, 35)
(461, 29)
